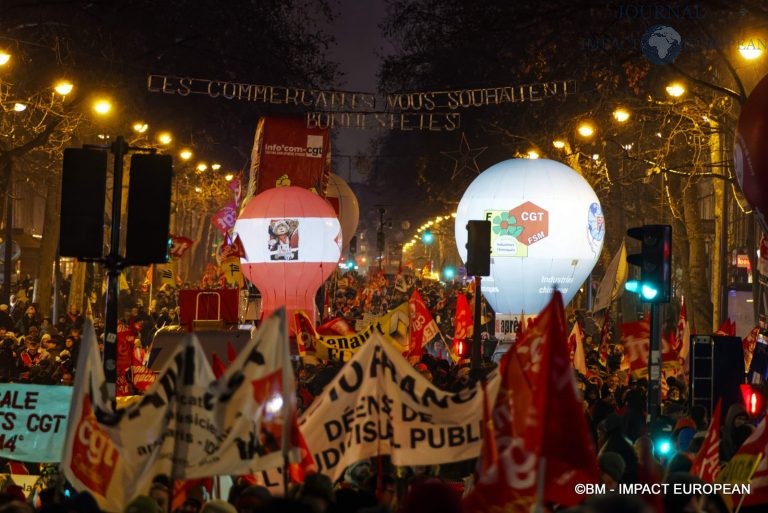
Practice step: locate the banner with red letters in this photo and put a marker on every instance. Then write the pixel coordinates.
(285, 152)
(188, 425)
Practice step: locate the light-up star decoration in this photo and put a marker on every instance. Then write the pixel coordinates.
(465, 157)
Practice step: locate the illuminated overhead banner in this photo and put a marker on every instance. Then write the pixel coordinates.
(188, 425)
(379, 404)
(33, 421)
(429, 111)
(285, 152)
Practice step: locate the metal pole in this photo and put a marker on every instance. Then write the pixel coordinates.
(477, 352)
(654, 363)
(113, 266)
(8, 253)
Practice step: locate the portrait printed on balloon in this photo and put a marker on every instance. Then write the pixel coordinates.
(283, 239)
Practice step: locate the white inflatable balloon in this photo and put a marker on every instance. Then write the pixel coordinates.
(344, 202)
(547, 231)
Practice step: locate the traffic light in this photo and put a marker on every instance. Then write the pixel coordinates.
(149, 209)
(83, 187)
(754, 399)
(462, 347)
(654, 261)
(478, 248)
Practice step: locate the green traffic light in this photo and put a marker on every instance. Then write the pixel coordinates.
(649, 292)
(632, 286)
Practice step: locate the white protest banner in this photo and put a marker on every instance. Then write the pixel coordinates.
(33, 421)
(379, 404)
(189, 425)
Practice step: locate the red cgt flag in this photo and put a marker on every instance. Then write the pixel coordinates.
(423, 326)
(707, 462)
(463, 321)
(543, 440)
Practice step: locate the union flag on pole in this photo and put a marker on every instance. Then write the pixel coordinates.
(541, 444)
(423, 326)
(707, 462)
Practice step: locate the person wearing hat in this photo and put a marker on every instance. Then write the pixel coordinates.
(612, 468)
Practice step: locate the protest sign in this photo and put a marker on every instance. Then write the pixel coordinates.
(33, 421)
(188, 425)
(379, 404)
(394, 326)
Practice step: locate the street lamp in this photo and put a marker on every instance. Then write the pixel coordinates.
(749, 50)
(201, 167)
(185, 154)
(102, 106)
(164, 138)
(19, 107)
(621, 114)
(533, 154)
(63, 87)
(4, 57)
(140, 127)
(675, 89)
(559, 144)
(586, 129)
(215, 166)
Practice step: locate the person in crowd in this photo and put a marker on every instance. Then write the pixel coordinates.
(218, 506)
(6, 321)
(29, 319)
(74, 318)
(736, 417)
(316, 492)
(251, 499)
(29, 357)
(142, 504)
(50, 345)
(612, 469)
(616, 442)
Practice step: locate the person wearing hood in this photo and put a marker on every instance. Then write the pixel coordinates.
(735, 418)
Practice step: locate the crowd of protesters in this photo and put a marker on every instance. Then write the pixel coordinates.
(36, 350)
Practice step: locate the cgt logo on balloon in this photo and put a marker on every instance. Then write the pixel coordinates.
(547, 231)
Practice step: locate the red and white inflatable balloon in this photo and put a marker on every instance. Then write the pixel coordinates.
(292, 242)
(751, 151)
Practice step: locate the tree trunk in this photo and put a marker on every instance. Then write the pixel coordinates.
(48, 247)
(699, 300)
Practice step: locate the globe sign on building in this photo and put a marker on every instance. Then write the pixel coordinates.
(661, 44)
(547, 232)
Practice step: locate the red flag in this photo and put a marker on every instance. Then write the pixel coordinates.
(423, 326)
(335, 327)
(17, 467)
(463, 320)
(224, 218)
(179, 245)
(707, 462)
(218, 366)
(231, 352)
(532, 431)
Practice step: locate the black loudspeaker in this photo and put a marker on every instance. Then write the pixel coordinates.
(478, 248)
(83, 188)
(149, 209)
(716, 371)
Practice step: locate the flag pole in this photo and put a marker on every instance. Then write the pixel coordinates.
(539, 505)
